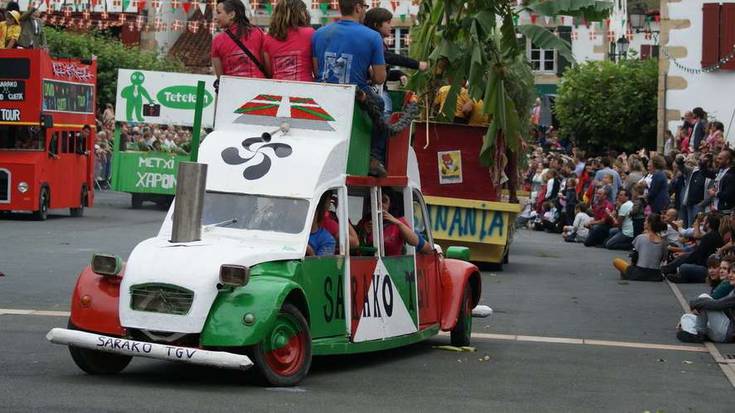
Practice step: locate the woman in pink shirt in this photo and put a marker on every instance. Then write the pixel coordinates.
(227, 57)
(287, 48)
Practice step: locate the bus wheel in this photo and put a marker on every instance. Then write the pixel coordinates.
(97, 362)
(136, 201)
(283, 357)
(43, 201)
(78, 212)
(462, 331)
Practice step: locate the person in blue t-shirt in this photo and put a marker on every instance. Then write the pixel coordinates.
(348, 52)
(321, 242)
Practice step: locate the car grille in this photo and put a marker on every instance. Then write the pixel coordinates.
(161, 298)
(4, 186)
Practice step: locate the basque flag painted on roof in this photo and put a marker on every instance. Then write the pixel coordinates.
(273, 110)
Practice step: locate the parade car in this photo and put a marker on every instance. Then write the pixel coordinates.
(228, 282)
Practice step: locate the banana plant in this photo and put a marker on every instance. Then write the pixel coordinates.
(477, 41)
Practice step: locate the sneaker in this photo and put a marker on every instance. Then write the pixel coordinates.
(687, 337)
(377, 169)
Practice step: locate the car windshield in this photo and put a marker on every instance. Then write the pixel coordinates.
(254, 212)
(21, 137)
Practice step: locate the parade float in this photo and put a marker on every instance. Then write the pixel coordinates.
(227, 283)
(46, 160)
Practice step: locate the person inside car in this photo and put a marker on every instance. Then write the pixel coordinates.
(396, 231)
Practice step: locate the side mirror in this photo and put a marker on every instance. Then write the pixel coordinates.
(458, 253)
(106, 264)
(47, 121)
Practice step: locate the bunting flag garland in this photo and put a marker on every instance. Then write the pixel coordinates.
(175, 4)
(629, 35)
(575, 35)
(187, 7)
(141, 5)
(176, 26)
(156, 4)
(707, 69)
(334, 4)
(610, 36)
(533, 18)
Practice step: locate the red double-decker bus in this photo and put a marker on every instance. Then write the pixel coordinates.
(47, 124)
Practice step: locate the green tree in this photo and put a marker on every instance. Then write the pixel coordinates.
(605, 105)
(475, 40)
(111, 55)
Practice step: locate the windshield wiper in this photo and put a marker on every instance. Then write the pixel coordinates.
(221, 224)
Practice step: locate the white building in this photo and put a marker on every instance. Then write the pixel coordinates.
(696, 37)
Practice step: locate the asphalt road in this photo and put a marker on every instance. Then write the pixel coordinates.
(550, 298)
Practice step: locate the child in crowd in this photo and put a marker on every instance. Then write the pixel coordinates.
(578, 231)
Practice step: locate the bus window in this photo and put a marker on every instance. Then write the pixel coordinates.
(64, 142)
(53, 147)
(20, 137)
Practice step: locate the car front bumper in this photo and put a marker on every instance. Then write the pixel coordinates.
(125, 347)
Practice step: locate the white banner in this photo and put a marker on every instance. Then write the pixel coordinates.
(162, 97)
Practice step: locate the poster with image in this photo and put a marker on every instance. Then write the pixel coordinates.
(450, 167)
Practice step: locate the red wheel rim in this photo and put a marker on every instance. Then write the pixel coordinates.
(286, 347)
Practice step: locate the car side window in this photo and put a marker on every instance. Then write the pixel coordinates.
(420, 217)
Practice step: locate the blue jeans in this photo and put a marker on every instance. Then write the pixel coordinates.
(618, 240)
(691, 213)
(379, 136)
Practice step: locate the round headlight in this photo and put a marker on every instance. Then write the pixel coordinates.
(23, 187)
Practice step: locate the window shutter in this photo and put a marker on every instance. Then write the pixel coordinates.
(727, 34)
(565, 33)
(710, 34)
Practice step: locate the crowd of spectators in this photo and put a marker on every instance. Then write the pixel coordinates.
(135, 137)
(674, 211)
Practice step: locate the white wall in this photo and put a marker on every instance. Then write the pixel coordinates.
(714, 92)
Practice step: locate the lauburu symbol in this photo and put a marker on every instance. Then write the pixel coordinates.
(231, 156)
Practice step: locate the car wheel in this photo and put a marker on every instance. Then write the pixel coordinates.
(78, 212)
(283, 357)
(136, 201)
(462, 331)
(43, 204)
(97, 362)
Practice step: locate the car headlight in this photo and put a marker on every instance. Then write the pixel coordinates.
(23, 187)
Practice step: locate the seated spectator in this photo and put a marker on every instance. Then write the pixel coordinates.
(578, 231)
(672, 227)
(548, 219)
(10, 30)
(321, 242)
(649, 251)
(602, 210)
(622, 235)
(463, 108)
(710, 318)
(690, 267)
(717, 274)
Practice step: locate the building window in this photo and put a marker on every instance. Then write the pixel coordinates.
(718, 38)
(542, 60)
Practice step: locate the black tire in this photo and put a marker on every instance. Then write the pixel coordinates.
(461, 334)
(43, 203)
(136, 201)
(505, 257)
(264, 359)
(97, 362)
(79, 212)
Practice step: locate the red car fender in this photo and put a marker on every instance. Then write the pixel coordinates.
(455, 274)
(94, 303)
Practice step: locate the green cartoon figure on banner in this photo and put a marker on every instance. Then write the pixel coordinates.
(133, 95)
